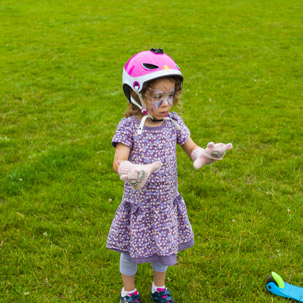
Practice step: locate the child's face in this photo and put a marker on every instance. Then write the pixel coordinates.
(160, 97)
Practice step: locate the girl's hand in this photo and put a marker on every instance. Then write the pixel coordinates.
(209, 155)
(136, 174)
(198, 157)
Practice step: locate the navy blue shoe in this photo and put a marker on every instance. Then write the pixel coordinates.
(162, 295)
(131, 298)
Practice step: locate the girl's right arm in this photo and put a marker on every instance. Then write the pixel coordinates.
(121, 154)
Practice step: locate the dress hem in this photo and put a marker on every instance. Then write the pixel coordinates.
(165, 260)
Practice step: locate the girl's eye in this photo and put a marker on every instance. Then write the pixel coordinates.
(157, 97)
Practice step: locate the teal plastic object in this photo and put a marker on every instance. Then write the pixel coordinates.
(277, 286)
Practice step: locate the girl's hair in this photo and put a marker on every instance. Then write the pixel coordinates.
(134, 110)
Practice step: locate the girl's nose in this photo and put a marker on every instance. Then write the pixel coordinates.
(165, 101)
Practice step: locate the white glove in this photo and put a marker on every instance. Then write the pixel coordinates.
(198, 157)
(209, 155)
(136, 174)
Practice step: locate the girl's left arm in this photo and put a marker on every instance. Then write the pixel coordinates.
(189, 146)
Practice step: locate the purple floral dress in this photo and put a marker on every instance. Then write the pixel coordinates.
(151, 224)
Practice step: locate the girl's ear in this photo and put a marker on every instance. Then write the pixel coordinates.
(134, 95)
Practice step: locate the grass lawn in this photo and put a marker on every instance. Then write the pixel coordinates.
(61, 100)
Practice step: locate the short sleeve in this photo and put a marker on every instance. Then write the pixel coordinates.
(123, 133)
(183, 136)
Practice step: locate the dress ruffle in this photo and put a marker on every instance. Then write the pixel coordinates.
(149, 233)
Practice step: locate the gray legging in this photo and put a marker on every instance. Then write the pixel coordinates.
(129, 268)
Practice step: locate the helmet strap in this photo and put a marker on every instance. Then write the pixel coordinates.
(140, 129)
(141, 126)
(142, 109)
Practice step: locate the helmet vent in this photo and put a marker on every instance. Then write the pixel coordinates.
(150, 66)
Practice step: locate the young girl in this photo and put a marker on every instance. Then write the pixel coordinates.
(151, 224)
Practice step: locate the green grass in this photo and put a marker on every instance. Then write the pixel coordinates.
(61, 99)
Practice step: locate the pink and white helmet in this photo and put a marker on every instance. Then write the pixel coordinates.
(146, 66)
